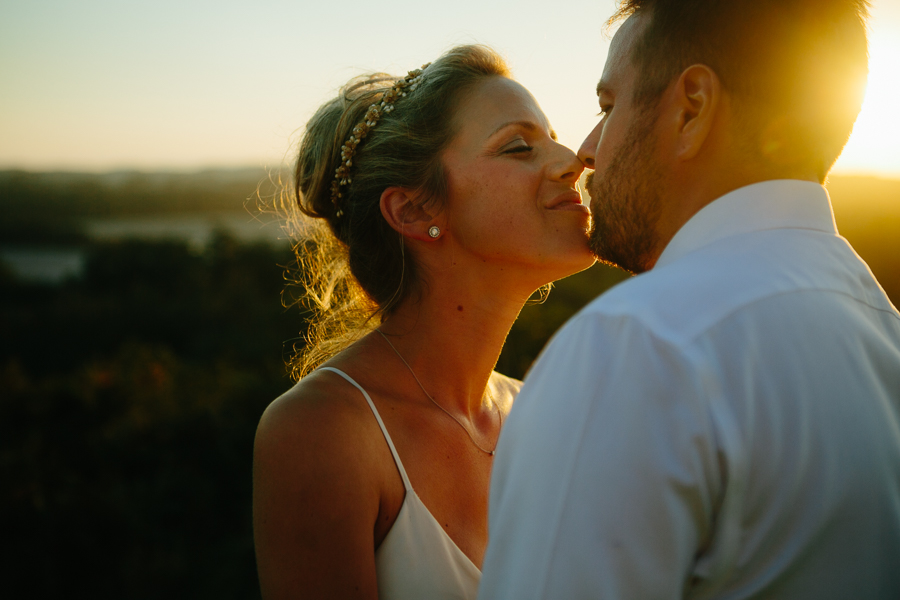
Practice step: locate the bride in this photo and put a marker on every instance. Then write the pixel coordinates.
(448, 202)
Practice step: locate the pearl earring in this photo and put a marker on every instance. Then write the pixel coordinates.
(434, 231)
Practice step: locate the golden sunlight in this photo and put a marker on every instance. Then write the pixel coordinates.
(874, 146)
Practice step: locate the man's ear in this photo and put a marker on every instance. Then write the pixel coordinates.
(403, 211)
(697, 96)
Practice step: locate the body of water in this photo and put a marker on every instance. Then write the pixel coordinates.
(195, 229)
(53, 265)
(44, 265)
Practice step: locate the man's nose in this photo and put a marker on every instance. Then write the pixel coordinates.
(589, 146)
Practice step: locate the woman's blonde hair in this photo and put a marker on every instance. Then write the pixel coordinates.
(351, 265)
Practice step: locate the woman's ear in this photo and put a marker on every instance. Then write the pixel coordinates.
(698, 93)
(405, 214)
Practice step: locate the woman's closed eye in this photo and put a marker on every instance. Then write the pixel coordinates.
(518, 148)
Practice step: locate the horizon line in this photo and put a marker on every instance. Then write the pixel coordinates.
(198, 169)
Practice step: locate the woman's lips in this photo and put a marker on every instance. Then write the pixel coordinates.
(570, 200)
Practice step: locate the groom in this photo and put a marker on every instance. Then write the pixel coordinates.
(726, 424)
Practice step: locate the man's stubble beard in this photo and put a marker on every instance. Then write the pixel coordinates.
(626, 203)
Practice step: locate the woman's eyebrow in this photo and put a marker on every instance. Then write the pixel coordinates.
(528, 125)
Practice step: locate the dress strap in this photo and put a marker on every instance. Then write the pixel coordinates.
(384, 430)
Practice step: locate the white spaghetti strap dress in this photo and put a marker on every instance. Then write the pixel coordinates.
(417, 559)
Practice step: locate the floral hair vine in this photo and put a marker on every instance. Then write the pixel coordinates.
(361, 130)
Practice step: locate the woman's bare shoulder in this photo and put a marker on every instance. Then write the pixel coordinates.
(319, 432)
(318, 476)
(320, 410)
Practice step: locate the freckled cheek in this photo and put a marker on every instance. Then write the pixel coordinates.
(497, 203)
(517, 201)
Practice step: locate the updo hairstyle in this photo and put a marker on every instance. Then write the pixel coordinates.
(352, 265)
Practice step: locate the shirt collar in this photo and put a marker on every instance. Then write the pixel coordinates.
(780, 204)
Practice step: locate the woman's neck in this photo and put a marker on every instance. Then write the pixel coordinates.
(451, 337)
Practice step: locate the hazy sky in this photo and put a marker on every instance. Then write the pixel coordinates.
(103, 84)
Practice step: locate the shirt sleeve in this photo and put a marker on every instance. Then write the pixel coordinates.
(606, 476)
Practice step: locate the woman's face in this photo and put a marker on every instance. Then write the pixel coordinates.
(512, 195)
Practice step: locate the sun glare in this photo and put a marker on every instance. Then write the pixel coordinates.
(874, 146)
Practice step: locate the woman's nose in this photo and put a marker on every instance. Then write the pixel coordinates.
(568, 166)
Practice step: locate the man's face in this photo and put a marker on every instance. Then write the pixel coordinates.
(626, 184)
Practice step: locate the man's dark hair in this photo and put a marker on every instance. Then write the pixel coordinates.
(801, 61)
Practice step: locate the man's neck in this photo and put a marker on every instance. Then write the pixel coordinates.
(691, 192)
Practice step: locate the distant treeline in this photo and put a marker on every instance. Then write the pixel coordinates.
(48, 206)
(49, 195)
(62, 194)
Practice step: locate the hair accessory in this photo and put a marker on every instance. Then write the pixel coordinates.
(449, 414)
(434, 231)
(373, 115)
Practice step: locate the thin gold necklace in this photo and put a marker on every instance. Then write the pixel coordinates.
(427, 395)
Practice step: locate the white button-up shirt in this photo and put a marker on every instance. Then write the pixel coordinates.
(726, 425)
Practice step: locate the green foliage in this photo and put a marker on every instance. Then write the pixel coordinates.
(128, 404)
(129, 477)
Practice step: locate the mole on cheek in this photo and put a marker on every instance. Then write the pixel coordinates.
(459, 308)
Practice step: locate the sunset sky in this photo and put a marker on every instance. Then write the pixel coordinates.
(108, 84)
